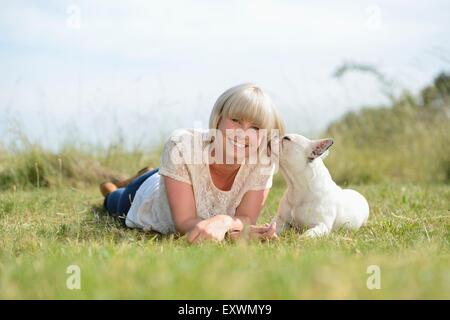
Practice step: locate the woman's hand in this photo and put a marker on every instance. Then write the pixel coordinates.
(213, 228)
(261, 232)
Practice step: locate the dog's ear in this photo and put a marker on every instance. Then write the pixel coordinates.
(319, 147)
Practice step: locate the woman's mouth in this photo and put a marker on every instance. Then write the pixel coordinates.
(237, 144)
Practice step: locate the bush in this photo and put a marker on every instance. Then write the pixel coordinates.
(33, 166)
(407, 141)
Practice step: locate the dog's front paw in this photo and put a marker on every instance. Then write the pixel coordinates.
(311, 233)
(317, 231)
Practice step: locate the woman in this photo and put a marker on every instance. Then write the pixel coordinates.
(211, 198)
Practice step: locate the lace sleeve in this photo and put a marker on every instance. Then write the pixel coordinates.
(261, 178)
(172, 163)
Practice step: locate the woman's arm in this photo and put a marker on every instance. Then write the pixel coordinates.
(184, 214)
(182, 204)
(247, 213)
(250, 207)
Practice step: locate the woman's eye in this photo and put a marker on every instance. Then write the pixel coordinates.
(255, 128)
(235, 120)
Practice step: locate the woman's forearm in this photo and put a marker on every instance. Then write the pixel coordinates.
(187, 225)
(235, 223)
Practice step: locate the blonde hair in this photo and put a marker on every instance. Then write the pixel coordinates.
(248, 102)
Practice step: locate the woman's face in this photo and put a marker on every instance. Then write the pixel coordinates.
(240, 137)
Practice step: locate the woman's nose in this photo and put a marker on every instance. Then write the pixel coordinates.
(246, 125)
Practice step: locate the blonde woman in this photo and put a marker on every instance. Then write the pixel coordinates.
(213, 197)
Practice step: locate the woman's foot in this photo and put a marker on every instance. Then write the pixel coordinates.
(107, 187)
(144, 170)
(110, 186)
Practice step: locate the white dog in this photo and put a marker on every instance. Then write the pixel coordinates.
(312, 199)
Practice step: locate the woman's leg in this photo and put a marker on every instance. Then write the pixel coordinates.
(128, 194)
(118, 202)
(125, 182)
(111, 202)
(110, 186)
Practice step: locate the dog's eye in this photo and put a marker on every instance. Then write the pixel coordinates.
(286, 138)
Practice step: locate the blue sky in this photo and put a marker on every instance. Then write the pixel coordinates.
(90, 69)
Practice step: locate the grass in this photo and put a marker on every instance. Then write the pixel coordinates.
(43, 231)
(51, 218)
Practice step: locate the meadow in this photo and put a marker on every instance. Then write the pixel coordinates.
(44, 232)
(51, 219)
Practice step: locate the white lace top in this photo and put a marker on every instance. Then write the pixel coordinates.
(150, 208)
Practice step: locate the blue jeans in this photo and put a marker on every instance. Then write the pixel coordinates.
(118, 202)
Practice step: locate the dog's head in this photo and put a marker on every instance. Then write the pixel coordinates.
(298, 151)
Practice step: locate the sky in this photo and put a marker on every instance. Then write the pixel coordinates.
(110, 71)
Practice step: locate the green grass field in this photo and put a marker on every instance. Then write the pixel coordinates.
(44, 231)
